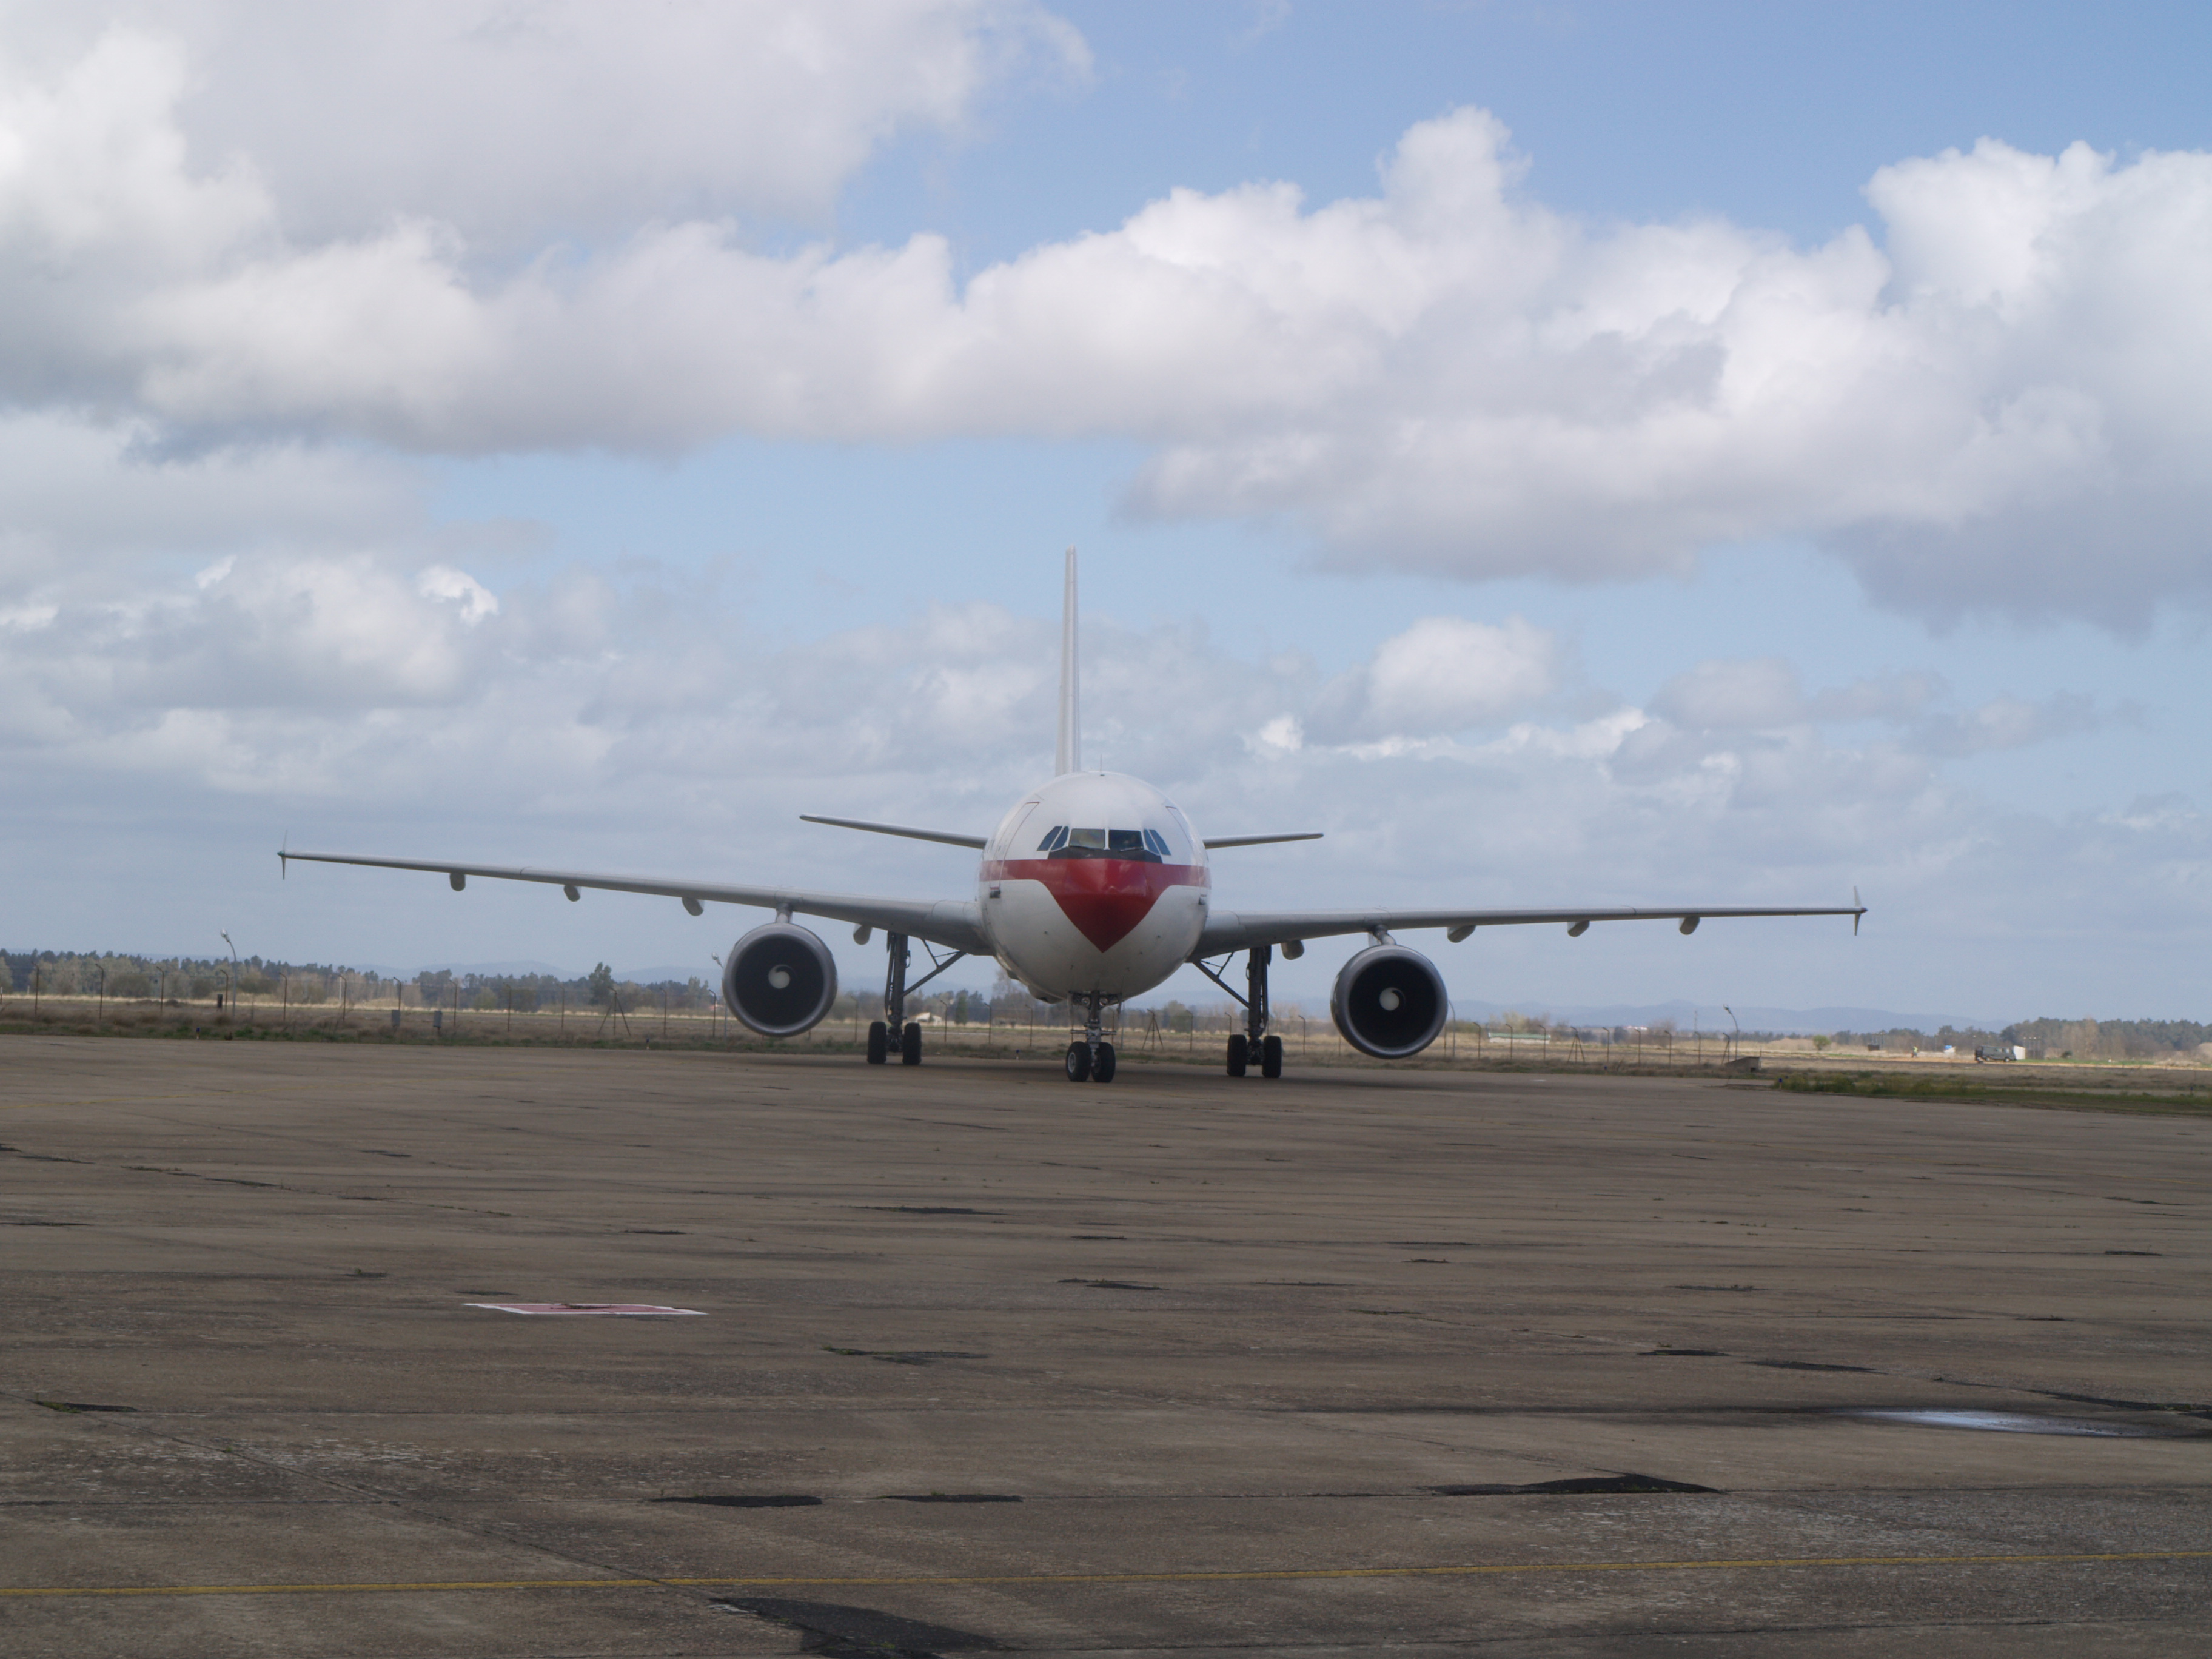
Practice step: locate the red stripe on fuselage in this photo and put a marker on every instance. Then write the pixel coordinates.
(1105, 898)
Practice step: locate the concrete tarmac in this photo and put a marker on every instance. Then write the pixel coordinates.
(987, 1362)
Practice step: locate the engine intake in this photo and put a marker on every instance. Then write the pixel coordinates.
(780, 980)
(1390, 1002)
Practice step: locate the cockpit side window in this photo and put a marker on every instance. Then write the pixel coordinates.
(1055, 837)
(1157, 843)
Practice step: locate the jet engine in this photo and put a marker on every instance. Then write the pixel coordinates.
(1390, 1002)
(779, 979)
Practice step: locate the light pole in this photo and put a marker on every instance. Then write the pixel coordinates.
(233, 976)
(1735, 1042)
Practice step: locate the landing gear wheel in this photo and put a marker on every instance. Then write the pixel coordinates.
(911, 1044)
(1102, 1069)
(879, 1043)
(1271, 1056)
(1240, 1054)
(1078, 1063)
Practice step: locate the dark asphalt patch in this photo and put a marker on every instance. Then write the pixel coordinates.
(79, 1406)
(923, 1209)
(1594, 1483)
(1110, 1284)
(738, 1501)
(904, 1356)
(1683, 1353)
(841, 1632)
(1808, 1366)
(950, 1497)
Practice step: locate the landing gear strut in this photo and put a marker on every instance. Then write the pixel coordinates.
(894, 1029)
(1255, 1042)
(1090, 1057)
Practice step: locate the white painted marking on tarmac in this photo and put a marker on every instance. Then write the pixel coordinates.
(2009, 1423)
(627, 1310)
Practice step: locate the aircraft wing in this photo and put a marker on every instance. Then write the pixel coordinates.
(1232, 930)
(957, 924)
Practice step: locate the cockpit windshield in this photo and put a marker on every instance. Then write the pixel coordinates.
(1066, 842)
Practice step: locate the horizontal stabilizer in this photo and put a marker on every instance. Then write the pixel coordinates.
(947, 836)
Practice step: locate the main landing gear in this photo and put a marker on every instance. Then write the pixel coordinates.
(1090, 1057)
(1255, 1042)
(894, 1029)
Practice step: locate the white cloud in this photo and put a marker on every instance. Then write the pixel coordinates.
(442, 581)
(1763, 695)
(1755, 694)
(2002, 405)
(1445, 674)
(525, 123)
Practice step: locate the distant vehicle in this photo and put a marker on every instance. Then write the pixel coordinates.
(1092, 889)
(2004, 1051)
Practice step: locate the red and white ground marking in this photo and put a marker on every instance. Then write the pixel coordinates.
(633, 1309)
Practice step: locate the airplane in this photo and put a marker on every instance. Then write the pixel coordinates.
(1093, 889)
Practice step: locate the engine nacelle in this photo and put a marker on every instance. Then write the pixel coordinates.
(1390, 1002)
(780, 980)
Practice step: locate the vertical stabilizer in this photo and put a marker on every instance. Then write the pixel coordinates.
(1068, 759)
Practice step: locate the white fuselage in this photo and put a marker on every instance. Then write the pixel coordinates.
(1094, 884)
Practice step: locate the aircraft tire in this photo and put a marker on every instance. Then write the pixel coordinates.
(911, 1044)
(1240, 1055)
(1078, 1063)
(1102, 1069)
(879, 1042)
(1271, 1056)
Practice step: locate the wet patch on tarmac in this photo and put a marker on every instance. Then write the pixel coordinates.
(841, 1632)
(73, 1406)
(950, 1497)
(1579, 1484)
(923, 1209)
(1683, 1353)
(745, 1501)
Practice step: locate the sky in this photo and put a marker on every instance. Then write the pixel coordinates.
(1711, 453)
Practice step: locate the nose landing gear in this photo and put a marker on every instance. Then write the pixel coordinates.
(1090, 1057)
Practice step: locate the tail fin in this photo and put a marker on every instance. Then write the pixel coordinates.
(1069, 758)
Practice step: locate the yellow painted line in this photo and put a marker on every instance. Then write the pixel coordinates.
(933, 1580)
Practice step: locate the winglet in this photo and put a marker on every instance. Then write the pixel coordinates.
(1069, 756)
